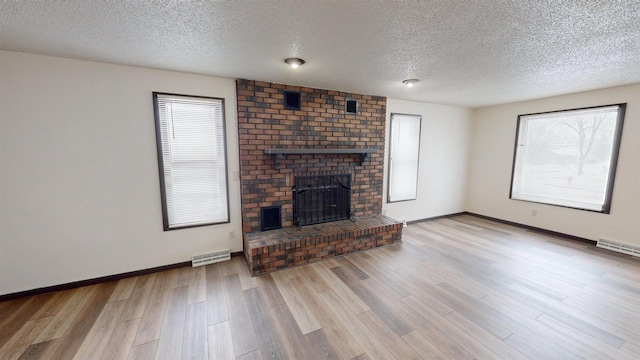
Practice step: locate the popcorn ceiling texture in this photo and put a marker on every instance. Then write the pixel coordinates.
(467, 53)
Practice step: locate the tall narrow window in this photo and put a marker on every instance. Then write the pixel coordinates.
(568, 158)
(192, 160)
(404, 150)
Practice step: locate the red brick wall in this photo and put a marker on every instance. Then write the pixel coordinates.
(320, 123)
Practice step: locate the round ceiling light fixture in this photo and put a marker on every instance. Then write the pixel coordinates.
(294, 62)
(410, 82)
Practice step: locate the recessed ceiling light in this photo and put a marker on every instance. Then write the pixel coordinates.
(294, 62)
(410, 82)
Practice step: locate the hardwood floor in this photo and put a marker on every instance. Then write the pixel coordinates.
(457, 288)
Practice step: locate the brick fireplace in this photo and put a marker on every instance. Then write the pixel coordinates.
(322, 122)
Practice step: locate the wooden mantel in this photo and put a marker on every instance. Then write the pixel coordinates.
(278, 152)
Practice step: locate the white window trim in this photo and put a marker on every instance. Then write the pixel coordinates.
(411, 193)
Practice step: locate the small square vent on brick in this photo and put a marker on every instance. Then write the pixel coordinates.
(351, 106)
(210, 258)
(292, 100)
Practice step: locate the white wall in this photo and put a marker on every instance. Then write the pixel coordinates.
(79, 185)
(442, 171)
(493, 136)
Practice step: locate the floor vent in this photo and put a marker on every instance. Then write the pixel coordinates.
(618, 247)
(206, 259)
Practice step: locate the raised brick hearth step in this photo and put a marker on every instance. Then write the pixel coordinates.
(276, 249)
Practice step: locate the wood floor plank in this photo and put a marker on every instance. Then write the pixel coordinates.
(319, 346)
(216, 300)
(179, 277)
(470, 312)
(485, 338)
(195, 333)
(37, 351)
(568, 316)
(345, 345)
(197, 285)
(85, 320)
(96, 339)
(362, 357)
(429, 331)
(355, 304)
(365, 338)
(242, 331)
(268, 342)
(523, 326)
(21, 340)
(121, 340)
(154, 310)
(246, 280)
(392, 341)
(471, 345)
(123, 289)
(52, 306)
(381, 274)
(583, 338)
(9, 308)
(269, 290)
(20, 315)
(172, 333)
(423, 346)
(138, 298)
(295, 344)
(254, 355)
(304, 317)
(311, 277)
(220, 341)
(630, 348)
(146, 351)
(530, 350)
(394, 322)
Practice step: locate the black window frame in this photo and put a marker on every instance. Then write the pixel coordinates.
(163, 195)
(613, 164)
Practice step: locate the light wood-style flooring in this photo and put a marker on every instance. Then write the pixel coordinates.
(456, 288)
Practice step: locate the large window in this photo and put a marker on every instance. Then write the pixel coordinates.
(192, 160)
(568, 158)
(404, 150)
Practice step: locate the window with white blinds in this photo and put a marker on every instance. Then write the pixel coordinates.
(404, 151)
(568, 158)
(190, 136)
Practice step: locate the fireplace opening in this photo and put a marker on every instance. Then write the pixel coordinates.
(321, 198)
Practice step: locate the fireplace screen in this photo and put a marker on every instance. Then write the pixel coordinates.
(321, 198)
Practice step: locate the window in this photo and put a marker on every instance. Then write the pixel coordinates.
(404, 148)
(192, 160)
(568, 158)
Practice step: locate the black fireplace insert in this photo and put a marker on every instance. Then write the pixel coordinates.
(321, 198)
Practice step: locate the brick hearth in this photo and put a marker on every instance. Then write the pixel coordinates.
(276, 249)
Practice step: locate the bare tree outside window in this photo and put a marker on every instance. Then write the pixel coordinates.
(587, 130)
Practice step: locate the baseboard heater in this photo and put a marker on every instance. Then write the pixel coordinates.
(210, 258)
(619, 247)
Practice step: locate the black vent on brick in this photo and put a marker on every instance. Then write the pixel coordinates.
(270, 218)
(351, 106)
(321, 198)
(292, 100)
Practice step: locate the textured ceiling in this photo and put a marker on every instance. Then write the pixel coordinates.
(468, 53)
